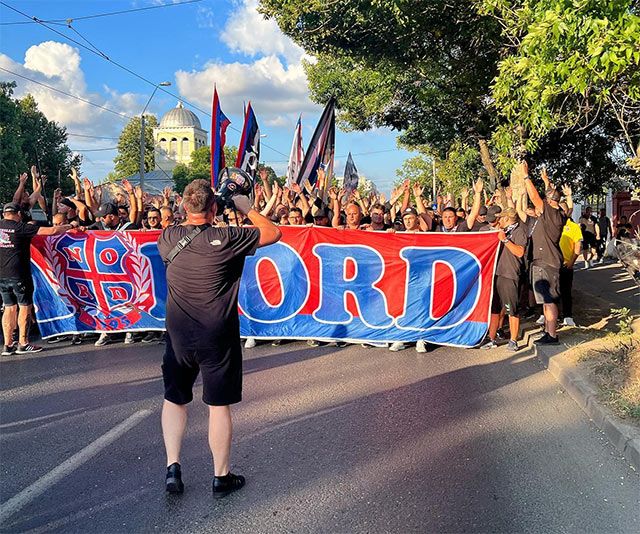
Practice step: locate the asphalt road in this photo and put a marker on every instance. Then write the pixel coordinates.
(330, 440)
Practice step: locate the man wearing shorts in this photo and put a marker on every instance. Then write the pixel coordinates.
(16, 285)
(506, 295)
(203, 329)
(547, 256)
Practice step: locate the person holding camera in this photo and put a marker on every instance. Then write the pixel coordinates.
(204, 266)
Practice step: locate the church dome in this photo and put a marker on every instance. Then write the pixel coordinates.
(179, 117)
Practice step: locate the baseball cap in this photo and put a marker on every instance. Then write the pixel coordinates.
(107, 209)
(410, 211)
(68, 203)
(553, 194)
(492, 213)
(483, 211)
(11, 207)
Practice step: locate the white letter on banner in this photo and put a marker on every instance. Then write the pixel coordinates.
(293, 279)
(334, 285)
(420, 261)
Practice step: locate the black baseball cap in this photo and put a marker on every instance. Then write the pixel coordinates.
(492, 213)
(107, 209)
(410, 211)
(11, 207)
(483, 211)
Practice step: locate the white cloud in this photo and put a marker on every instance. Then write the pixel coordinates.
(248, 32)
(58, 65)
(273, 88)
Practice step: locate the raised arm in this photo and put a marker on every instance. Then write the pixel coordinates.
(477, 202)
(566, 191)
(76, 182)
(264, 176)
(17, 196)
(269, 232)
(521, 207)
(268, 208)
(425, 219)
(133, 203)
(335, 206)
(522, 171)
(304, 203)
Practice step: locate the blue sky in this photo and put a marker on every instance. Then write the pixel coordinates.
(192, 46)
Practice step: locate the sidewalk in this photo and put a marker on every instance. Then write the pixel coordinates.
(596, 291)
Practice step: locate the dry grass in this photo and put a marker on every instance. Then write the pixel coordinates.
(613, 366)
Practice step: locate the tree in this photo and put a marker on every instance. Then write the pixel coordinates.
(28, 138)
(128, 159)
(572, 66)
(423, 68)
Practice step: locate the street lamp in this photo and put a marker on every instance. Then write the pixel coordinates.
(161, 84)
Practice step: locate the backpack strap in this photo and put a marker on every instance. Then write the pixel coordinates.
(183, 243)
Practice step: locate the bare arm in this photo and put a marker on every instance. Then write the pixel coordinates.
(54, 230)
(520, 207)
(335, 206)
(522, 170)
(477, 201)
(566, 191)
(264, 176)
(426, 221)
(269, 232)
(304, 203)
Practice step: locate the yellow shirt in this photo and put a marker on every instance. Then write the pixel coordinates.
(571, 234)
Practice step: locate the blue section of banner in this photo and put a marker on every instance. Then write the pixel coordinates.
(466, 334)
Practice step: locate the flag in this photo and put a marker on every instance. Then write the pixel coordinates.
(351, 178)
(296, 156)
(249, 148)
(219, 123)
(321, 149)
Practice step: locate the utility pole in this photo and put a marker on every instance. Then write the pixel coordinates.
(433, 168)
(142, 151)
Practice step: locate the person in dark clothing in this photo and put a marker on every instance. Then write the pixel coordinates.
(547, 256)
(606, 232)
(16, 285)
(513, 236)
(203, 328)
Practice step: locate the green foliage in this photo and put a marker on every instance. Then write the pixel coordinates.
(28, 138)
(571, 65)
(458, 170)
(127, 162)
(625, 319)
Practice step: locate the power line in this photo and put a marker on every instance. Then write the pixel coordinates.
(102, 55)
(92, 149)
(53, 21)
(66, 94)
(91, 136)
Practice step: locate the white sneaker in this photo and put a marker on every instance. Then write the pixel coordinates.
(102, 340)
(540, 320)
(397, 346)
(568, 321)
(128, 338)
(250, 343)
(421, 346)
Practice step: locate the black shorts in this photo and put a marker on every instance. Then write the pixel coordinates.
(16, 291)
(589, 240)
(221, 374)
(506, 294)
(545, 282)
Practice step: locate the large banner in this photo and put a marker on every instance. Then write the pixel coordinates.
(316, 283)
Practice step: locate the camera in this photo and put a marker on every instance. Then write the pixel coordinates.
(233, 181)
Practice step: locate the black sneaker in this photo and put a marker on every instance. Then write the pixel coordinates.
(500, 334)
(546, 340)
(57, 339)
(530, 312)
(223, 486)
(150, 337)
(8, 350)
(28, 348)
(174, 479)
(76, 339)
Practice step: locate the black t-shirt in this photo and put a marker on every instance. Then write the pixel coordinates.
(605, 224)
(203, 281)
(15, 254)
(546, 237)
(460, 226)
(509, 265)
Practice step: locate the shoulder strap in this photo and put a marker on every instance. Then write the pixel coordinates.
(183, 243)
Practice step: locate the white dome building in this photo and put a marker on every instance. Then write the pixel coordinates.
(178, 135)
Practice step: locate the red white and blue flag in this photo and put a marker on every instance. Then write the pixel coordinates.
(296, 156)
(315, 283)
(321, 150)
(219, 123)
(249, 148)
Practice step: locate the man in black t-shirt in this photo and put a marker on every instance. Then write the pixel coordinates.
(606, 232)
(506, 295)
(203, 329)
(16, 285)
(546, 253)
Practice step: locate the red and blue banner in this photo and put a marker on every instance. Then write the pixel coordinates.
(219, 124)
(316, 283)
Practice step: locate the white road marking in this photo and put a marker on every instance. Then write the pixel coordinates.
(41, 485)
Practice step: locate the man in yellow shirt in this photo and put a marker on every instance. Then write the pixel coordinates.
(571, 246)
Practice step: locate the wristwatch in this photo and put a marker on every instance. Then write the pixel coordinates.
(505, 241)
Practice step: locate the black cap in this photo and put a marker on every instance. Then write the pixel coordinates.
(483, 211)
(11, 207)
(492, 213)
(68, 203)
(107, 209)
(410, 211)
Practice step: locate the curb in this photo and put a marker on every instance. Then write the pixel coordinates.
(625, 437)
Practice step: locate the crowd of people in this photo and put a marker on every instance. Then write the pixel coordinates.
(540, 241)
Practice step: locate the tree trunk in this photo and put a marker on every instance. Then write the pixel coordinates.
(485, 156)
